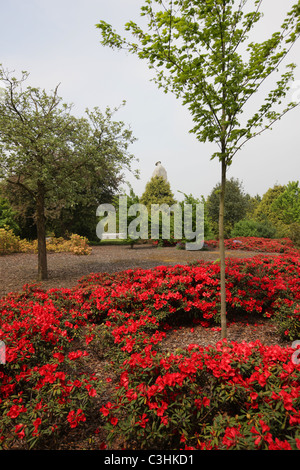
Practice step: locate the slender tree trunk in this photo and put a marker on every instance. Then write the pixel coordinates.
(222, 252)
(41, 233)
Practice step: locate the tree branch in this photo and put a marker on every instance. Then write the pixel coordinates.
(22, 185)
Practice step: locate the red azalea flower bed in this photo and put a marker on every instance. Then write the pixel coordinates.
(269, 245)
(231, 396)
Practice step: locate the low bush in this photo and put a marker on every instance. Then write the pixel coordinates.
(287, 318)
(75, 244)
(259, 244)
(252, 228)
(44, 390)
(234, 396)
(11, 243)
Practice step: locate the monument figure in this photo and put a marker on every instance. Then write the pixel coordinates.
(160, 171)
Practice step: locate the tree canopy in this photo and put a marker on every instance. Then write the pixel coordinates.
(201, 52)
(264, 210)
(288, 204)
(55, 158)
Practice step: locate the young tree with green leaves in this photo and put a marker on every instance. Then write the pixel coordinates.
(201, 51)
(54, 157)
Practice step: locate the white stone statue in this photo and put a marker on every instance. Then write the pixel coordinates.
(160, 171)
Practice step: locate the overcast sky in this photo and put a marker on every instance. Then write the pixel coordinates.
(57, 42)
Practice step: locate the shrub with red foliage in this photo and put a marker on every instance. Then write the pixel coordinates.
(232, 396)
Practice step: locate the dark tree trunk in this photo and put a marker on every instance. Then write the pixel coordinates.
(222, 252)
(41, 233)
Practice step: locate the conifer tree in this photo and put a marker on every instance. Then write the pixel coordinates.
(157, 191)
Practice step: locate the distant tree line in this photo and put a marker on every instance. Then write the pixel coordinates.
(275, 214)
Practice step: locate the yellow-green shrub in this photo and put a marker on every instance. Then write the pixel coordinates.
(11, 243)
(76, 244)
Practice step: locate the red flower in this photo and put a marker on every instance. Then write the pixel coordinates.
(160, 411)
(231, 436)
(131, 395)
(75, 418)
(204, 402)
(164, 420)
(59, 356)
(35, 324)
(142, 422)
(264, 429)
(19, 430)
(279, 445)
(105, 409)
(36, 424)
(76, 354)
(92, 391)
(88, 339)
(15, 410)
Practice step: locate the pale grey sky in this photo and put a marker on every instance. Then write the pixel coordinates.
(57, 42)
